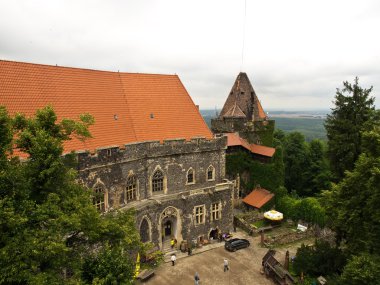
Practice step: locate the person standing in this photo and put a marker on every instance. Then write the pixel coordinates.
(226, 267)
(173, 259)
(196, 278)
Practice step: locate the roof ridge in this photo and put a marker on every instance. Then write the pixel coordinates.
(81, 68)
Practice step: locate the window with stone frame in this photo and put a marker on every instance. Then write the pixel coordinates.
(98, 199)
(158, 181)
(215, 211)
(210, 173)
(190, 176)
(131, 189)
(199, 212)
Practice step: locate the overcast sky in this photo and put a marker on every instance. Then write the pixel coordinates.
(296, 52)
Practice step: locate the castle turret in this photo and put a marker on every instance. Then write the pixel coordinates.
(242, 113)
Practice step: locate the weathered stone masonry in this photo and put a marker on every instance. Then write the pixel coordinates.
(171, 212)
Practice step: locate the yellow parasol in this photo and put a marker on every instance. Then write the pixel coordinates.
(273, 215)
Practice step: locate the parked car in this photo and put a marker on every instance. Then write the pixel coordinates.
(236, 243)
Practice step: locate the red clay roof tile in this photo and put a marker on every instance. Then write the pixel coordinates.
(233, 139)
(127, 107)
(258, 197)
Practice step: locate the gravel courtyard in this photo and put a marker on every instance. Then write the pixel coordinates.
(245, 265)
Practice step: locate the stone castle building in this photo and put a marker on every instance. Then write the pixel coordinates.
(243, 114)
(150, 148)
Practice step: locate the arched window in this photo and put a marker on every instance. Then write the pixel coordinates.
(131, 189)
(99, 198)
(190, 176)
(158, 181)
(210, 173)
(144, 231)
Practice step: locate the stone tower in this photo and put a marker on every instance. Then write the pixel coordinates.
(242, 113)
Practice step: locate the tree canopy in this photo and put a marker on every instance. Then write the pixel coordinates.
(353, 114)
(50, 231)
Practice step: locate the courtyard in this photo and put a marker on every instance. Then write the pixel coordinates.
(245, 265)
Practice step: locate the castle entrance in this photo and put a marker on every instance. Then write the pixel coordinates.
(168, 229)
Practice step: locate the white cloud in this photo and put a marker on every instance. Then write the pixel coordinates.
(296, 52)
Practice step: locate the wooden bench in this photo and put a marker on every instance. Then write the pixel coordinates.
(145, 274)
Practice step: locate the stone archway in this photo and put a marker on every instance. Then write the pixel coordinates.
(169, 225)
(145, 230)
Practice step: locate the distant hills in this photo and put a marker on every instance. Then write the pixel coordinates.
(309, 123)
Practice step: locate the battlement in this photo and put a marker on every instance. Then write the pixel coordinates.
(139, 150)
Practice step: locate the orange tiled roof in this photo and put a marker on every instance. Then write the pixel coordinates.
(263, 150)
(233, 139)
(127, 107)
(258, 197)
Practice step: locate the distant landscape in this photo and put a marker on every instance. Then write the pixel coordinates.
(309, 123)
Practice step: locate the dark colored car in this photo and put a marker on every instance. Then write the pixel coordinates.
(236, 243)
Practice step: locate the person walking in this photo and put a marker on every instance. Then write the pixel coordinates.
(173, 259)
(226, 267)
(196, 278)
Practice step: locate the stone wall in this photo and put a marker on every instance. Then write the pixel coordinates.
(110, 168)
(258, 132)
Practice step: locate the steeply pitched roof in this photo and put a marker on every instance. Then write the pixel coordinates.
(258, 197)
(243, 97)
(233, 139)
(128, 107)
(235, 112)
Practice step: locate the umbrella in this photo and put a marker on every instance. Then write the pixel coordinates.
(273, 215)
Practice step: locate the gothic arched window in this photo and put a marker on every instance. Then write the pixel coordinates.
(131, 189)
(190, 176)
(99, 198)
(158, 181)
(144, 231)
(210, 173)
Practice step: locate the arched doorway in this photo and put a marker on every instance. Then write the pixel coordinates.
(168, 229)
(170, 226)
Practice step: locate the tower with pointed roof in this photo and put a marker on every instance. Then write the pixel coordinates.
(242, 113)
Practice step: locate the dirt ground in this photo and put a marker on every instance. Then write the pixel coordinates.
(245, 265)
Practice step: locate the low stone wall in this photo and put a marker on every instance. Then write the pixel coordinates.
(241, 223)
(287, 238)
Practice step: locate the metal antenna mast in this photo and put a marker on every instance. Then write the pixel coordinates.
(244, 24)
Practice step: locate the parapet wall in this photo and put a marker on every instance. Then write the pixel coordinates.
(149, 149)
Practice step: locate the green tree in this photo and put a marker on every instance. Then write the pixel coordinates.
(353, 114)
(320, 259)
(318, 172)
(296, 163)
(354, 202)
(48, 225)
(362, 269)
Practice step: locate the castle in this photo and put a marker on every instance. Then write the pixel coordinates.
(150, 148)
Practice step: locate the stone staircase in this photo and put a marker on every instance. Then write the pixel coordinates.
(167, 250)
